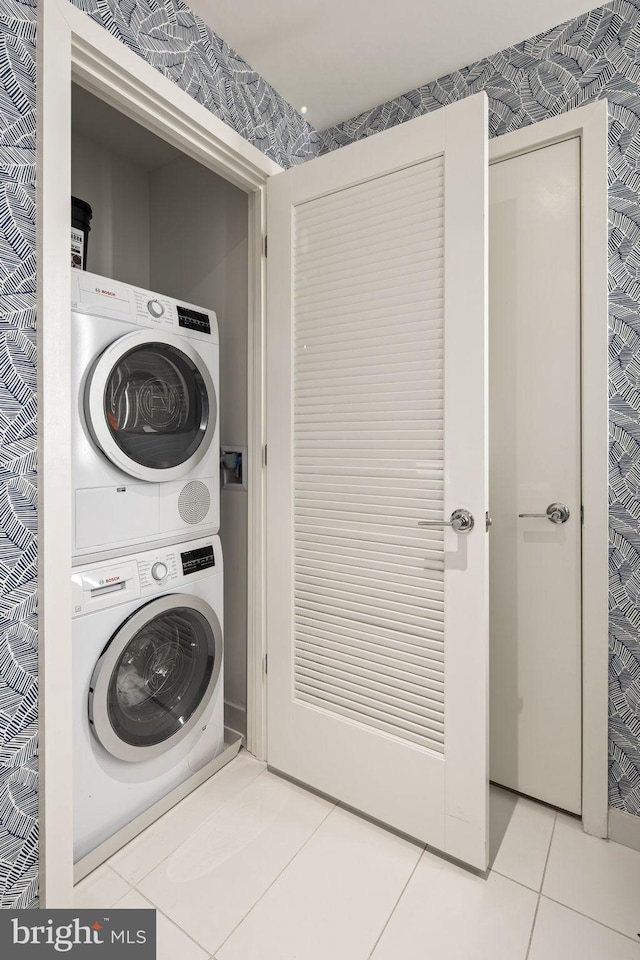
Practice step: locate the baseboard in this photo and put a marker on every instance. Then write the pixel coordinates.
(624, 828)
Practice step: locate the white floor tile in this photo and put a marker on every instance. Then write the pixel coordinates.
(100, 889)
(598, 878)
(448, 913)
(520, 834)
(171, 942)
(560, 933)
(211, 882)
(342, 886)
(164, 836)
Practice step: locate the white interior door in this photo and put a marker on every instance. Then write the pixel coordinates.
(377, 626)
(536, 681)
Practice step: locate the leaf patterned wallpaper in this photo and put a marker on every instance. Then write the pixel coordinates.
(593, 56)
(18, 425)
(180, 45)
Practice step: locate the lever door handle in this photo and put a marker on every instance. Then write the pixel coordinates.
(461, 521)
(556, 512)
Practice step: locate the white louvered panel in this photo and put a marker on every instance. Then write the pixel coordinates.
(325, 628)
(382, 190)
(368, 447)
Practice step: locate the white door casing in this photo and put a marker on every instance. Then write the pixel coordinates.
(376, 420)
(535, 567)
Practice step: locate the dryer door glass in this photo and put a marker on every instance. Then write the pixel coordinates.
(156, 405)
(161, 677)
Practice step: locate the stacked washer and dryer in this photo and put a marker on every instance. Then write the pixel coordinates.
(148, 572)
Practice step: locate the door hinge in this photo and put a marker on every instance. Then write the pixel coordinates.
(581, 514)
(264, 454)
(266, 664)
(265, 246)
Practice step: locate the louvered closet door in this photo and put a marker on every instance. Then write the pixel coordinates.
(377, 627)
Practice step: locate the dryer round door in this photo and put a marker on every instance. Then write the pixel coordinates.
(150, 405)
(156, 677)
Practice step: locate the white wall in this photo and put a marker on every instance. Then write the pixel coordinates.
(198, 252)
(118, 191)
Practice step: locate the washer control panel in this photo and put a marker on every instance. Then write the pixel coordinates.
(97, 586)
(158, 569)
(155, 308)
(193, 561)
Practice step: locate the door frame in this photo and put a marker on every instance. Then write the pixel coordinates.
(71, 47)
(590, 125)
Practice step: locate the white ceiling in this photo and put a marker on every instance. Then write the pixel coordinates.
(340, 57)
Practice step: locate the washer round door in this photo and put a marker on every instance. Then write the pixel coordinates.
(156, 677)
(150, 405)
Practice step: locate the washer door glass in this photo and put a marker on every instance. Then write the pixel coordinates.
(155, 677)
(156, 405)
(161, 677)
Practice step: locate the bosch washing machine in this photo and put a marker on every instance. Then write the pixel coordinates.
(147, 681)
(145, 432)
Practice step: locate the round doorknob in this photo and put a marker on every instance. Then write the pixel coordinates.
(558, 512)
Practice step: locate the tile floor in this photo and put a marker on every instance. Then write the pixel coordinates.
(251, 867)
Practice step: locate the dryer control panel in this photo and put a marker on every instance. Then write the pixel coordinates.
(99, 296)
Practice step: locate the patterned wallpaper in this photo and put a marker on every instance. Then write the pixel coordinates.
(596, 55)
(18, 639)
(178, 44)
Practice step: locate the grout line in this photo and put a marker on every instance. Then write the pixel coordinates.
(566, 906)
(546, 861)
(587, 916)
(278, 875)
(174, 924)
(533, 926)
(505, 876)
(393, 909)
(537, 890)
(166, 917)
(171, 852)
(544, 873)
(86, 880)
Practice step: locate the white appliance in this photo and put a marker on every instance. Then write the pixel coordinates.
(147, 681)
(145, 440)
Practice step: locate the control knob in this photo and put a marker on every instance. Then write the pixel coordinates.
(159, 571)
(155, 308)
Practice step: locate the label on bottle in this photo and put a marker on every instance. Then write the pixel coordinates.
(77, 248)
